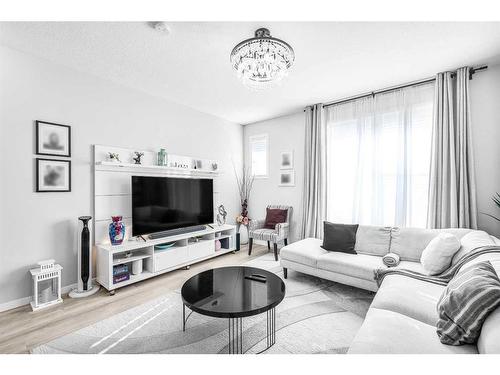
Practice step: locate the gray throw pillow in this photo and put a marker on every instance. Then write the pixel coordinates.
(472, 294)
(339, 237)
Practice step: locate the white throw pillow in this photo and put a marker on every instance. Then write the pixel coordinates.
(437, 256)
(471, 241)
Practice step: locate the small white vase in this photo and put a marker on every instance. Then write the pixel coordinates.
(243, 234)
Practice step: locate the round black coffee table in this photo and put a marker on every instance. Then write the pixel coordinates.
(234, 293)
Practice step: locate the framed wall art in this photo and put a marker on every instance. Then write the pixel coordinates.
(287, 178)
(53, 139)
(286, 160)
(53, 175)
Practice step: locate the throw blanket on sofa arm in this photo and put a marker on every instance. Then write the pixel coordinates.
(391, 259)
(444, 277)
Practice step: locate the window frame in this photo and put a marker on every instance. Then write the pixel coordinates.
(252, 139)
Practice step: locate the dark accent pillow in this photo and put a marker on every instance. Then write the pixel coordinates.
(275, 216)
(339, 237)
(472, 294)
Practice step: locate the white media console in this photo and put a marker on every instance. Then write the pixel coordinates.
(113, 197)
(188, 248)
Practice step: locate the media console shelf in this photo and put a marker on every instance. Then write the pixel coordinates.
(189, 248)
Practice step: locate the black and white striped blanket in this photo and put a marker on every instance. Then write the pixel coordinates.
(444, 277)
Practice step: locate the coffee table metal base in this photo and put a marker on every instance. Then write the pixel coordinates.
(235, 331)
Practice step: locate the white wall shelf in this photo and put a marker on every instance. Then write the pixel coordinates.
(110, 166)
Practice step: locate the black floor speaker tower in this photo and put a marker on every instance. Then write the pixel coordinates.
(84, 271)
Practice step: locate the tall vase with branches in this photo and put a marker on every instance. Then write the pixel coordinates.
(245, 183)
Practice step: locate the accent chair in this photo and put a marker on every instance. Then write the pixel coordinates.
(279, 234)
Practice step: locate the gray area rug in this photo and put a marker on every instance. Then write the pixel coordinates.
(316, 316)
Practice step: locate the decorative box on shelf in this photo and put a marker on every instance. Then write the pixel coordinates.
(46, 284)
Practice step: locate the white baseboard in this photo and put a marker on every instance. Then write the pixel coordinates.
(15, 303)
(26, 300)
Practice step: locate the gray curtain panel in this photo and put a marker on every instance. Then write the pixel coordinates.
(452, 187)
(314, 203)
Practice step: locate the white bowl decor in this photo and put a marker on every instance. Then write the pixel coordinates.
(263, 60)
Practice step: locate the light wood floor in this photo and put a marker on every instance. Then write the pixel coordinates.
(21, 329)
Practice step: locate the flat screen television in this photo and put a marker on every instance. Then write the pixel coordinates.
(164, 203)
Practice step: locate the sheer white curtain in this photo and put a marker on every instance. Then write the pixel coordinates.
(378, 158)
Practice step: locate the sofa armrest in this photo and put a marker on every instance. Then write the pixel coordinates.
(282, 229)
(256, 224)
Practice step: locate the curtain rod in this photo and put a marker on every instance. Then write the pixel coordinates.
(392, 88)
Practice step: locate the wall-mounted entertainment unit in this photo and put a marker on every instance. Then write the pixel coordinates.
(155, 199)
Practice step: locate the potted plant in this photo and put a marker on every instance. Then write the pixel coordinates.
(496, 199)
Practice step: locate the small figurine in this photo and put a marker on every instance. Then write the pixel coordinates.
(221, 216)
(113, 156)
(214, 166)
(138, 156)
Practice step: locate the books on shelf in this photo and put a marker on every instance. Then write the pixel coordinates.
(121, 277)
(119, 269)
(121, 273)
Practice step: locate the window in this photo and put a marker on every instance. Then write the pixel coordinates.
(378, 158)
(258, 155)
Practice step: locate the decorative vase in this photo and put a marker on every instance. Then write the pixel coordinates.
(243, 231)
(162, 157)
(116, 230)
(137, 267)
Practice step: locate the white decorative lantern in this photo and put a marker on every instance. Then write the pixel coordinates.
(46, 284)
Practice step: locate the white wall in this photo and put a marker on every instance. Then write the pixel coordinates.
(285, 134)
(36, 226)
(485, 109)
(288, 133)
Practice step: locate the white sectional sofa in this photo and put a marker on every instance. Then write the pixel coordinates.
(402, 317)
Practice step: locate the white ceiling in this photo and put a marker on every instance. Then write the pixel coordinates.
(191, 65)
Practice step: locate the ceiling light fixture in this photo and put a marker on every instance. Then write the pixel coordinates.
(161, 27)
(263, 60)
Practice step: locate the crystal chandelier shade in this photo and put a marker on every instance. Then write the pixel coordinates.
(263, 60)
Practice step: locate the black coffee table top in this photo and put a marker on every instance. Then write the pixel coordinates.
(226, 293)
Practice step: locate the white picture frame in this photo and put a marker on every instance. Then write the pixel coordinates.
(286, 160)
(287, 177)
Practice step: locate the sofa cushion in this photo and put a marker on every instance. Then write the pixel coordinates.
(469, 298)
(409, 243)
(361, 266)
(388, 332)
(437, 255)
(306, 251)
(471, 241)
(489, 340)
(411, 297)
(339, 237)
(373, 240)
(409, 265)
